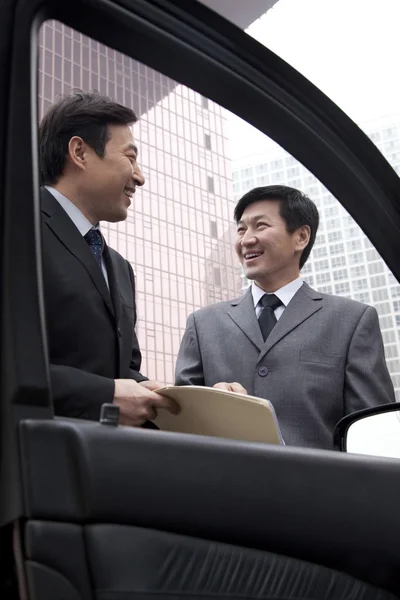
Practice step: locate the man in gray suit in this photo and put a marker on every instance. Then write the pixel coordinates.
(316, 357)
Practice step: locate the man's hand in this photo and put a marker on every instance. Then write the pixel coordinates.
(138, 404)
(230, 387)
(152, 385)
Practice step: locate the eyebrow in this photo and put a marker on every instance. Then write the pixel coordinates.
(252, 219)
(132, 147)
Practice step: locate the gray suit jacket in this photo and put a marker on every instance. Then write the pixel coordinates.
(324, 359)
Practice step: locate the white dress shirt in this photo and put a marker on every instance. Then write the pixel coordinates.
(78, 218)
(285, 294)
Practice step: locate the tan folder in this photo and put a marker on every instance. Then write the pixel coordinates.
(213, 412)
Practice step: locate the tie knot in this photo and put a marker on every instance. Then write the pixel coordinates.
(94, 238)
(270, 301)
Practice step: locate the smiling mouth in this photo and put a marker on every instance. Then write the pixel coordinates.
(250, 256)
(129, 192)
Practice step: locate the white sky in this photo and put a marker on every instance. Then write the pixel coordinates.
(350, 49)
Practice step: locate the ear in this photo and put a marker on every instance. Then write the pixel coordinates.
(302, 237)
(77, 152)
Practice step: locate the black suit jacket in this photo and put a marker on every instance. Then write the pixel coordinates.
(91, 334)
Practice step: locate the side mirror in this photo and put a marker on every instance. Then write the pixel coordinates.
(373, 431)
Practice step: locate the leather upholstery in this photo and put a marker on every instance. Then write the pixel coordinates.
(106, 497)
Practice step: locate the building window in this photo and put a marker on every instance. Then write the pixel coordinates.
(204, 102)
(391, 352)
(358, 271)
(378, 281)
(210, 184)
(325, 289)
(214, 229)
(383, 308)
(323, 278)
(207, 141)
(217, 277)
(388, 337)
(341, 274)
(319, 252)
(360, 284)
(321, 265)
(354, 246)
(333, 224)
(379, 295)
(375, 268)
(356, 258)
(362, 297)
(277, 164)
(338, 261)
(342, 288)
(335, 236)
(261, 168)
(336, 249)
(386, 322)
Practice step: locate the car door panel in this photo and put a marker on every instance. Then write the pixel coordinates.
(69, 482)
(295, 502)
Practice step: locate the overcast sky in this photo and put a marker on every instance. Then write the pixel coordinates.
(350, 49)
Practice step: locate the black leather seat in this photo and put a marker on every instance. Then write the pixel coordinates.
(117, 513)
(122, 562)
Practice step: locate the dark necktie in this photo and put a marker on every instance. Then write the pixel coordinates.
(267, 318)
(95, 242)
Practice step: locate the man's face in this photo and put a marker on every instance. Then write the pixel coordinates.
(111, 181)
(267, 252)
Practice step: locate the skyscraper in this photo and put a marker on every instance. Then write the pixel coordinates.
(178, 235)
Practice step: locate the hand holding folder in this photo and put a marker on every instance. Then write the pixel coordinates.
(214, 412)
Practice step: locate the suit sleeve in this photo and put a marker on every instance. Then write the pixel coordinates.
(367, 379)
(79, 394)
(189, 366)
(136, 359)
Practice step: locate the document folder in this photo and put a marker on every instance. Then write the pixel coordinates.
(213, 412)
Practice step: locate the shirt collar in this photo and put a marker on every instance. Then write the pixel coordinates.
(77, 217)
(285, 293)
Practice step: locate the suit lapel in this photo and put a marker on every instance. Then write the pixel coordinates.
(62, 226)
(243, 314)
(304, 303)
(112, 281)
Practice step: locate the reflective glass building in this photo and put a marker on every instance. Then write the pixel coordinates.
(178, 236)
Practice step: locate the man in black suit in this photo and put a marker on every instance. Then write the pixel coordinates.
(89, 170)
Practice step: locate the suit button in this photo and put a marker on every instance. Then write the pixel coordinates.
(263, 371)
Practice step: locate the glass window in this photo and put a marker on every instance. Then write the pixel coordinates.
(319, 252)
(339, 261)
(213, 229)
(358, 271)
(323, 278)
(198, 159)
(342, 288)
(340, 274)
(336, 249)
(321, 265)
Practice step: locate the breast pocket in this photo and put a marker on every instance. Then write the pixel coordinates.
(333, 360)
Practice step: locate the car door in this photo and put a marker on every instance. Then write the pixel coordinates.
(85, 505)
